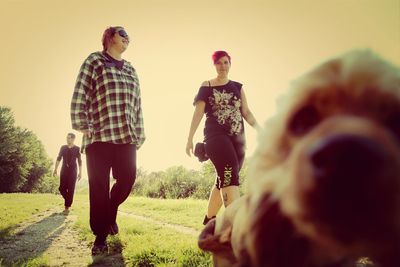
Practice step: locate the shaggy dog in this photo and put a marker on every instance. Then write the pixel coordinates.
(324, 183)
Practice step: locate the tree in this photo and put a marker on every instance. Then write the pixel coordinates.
(23, 161)
(9, 156)
(38, 164)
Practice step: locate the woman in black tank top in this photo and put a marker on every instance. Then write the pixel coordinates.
(225, 105)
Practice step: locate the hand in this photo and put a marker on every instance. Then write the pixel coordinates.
(55, 173)
(87, 133)
(189, 147)
(79, 176)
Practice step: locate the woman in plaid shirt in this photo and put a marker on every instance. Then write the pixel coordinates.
(106, 108)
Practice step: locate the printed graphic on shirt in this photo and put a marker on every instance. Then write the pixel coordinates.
(226, 109)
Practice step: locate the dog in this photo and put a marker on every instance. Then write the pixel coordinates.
(323, 186)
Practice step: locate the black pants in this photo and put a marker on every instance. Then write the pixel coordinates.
(101, 158)
(227, 155)
(67, 185)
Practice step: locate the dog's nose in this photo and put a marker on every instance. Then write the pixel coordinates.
(347, 156)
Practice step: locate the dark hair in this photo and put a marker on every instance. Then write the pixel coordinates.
(72, 135)
(108, 35)
(218, 54)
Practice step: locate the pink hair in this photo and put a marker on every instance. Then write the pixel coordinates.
(218, 54)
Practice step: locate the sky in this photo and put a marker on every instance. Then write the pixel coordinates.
(271, 43)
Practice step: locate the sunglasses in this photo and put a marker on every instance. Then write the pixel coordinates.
(123, 34)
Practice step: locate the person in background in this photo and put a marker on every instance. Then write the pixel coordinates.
(70, 155)
(106, 108)
(225, 105)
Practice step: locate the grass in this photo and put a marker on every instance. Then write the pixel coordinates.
(148, 245)
(188, 212)
(145, 244)
(139, 243)
(36, 262)
(16, 208)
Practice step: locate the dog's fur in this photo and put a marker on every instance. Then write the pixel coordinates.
(290, 216)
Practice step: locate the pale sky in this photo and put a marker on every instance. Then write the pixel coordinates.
(271, 42)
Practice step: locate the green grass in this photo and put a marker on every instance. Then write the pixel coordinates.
(146, 244)
(16, 208)
(36, 262)
(188, 212)
(139, 243)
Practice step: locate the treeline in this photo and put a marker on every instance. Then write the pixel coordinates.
(24, 164)
(179, 182)
(25, 167)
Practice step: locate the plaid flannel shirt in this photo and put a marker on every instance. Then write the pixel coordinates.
(106, 101)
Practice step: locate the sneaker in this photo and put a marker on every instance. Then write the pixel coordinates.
(114, 229)
(99, 247)
(206, 219)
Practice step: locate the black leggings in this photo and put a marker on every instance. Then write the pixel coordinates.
(227, 155)
(101, 158)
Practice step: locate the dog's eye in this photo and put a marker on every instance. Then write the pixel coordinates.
(303, 120)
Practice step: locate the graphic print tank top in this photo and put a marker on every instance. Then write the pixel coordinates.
(223, 104)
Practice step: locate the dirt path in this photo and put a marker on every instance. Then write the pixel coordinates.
(178, 228)
(49, 234)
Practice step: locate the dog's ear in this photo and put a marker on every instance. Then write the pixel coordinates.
(217, 235)
(217, 243)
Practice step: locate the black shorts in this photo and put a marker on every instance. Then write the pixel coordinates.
(227, 154)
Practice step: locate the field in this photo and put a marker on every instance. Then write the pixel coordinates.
(153, 232)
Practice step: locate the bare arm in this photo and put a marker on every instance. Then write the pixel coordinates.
(196, 119)
(58, 161)
(56, 167)
(246, 112)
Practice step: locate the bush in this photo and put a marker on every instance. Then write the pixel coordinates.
(178, 182)
(48, 184)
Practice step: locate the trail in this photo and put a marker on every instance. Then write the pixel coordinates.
(49, 234)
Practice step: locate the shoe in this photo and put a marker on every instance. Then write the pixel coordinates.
(114, 229)
(65, 212)
(99, 247)
(206, 219)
